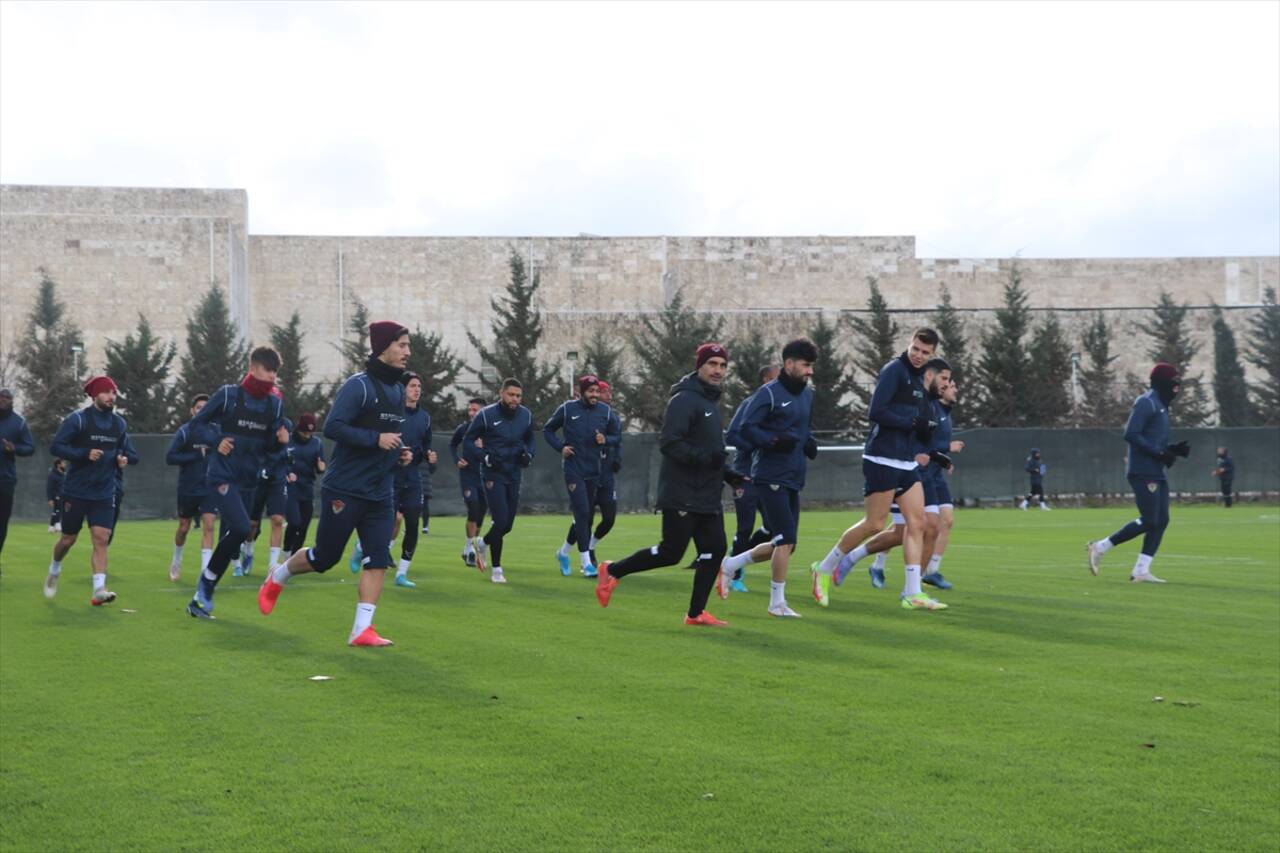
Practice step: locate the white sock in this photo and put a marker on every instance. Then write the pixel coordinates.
(497, 572)
(284, 557)
(777, 593)
(478, 545)
(177, 553)
(247, 549)
(829, 562)
(735, 563)
(1143, 565)
(594, 542)
(935, 562)
(564, 550)
(99, 581)
(280, 574)
(55, 567)
(205, 555)
(858, 554)
(1102, 546)
(881, 560)
(467, 547)
(275, 556)
(584, 557)
(364, 618)
(208, 575)
(912, 586)
(403, 568)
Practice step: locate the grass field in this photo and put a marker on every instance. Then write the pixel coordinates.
(525, 717)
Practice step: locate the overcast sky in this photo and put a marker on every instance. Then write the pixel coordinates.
(984, 129)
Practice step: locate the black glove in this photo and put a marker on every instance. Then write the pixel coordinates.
(494, 463)
(716, 459)
(733, 478)
(781, 444)
(617, 466)
(525, 460)
(943, 460)
(1182, 449)
(1167, 458)
(811, 448)
(923, 428)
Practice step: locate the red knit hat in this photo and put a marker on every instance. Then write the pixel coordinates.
(1164, 371)
(307, 422)
(708, 351)
(383, 334)
(587, 381)
(99, 384)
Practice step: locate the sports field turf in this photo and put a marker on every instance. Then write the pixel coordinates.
(525, 717)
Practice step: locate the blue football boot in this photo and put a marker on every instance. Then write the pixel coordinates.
(936, 579)
(877, 577)
(563, 559)
(589, 571)
(357, 558)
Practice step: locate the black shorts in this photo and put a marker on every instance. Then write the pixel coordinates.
(781, 507)
(76, 511)
(886, 478)
(193, 506)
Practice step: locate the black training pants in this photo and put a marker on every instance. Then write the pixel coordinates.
(707, 532)
(6, 509)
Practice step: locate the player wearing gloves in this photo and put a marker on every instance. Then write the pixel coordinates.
(1150, 454)
(505, 432)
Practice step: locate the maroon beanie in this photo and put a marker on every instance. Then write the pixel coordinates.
(707, 351)
(307, 422)
(1164, 371)
(99, 384)
(586, 382)
(383, 334)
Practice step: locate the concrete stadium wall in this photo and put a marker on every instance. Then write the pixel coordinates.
(1081, 462)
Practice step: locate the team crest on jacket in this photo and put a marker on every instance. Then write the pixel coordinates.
(573, 486)
(337, 506)
(774, 486)
(466, 493)
(488, 484)
(739, 492)
(222, 490)
(1151, 487)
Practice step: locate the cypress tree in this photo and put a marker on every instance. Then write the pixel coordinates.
(1048, 376)
(1229, 387)
(1264, 354)
(833, 385)
(300, 395)
(439, 369)
(876, 342)
(141, 368)
(1171, 342)
(664, 347)
(215, 355)
(950, 326)
(1001, 369)
(1101, 404)
(50, 389)
(749, 353)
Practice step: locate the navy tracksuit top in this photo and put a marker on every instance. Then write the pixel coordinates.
(185, 452)
(772, 413)
(13, 426)
(364, 408)
(1148, 435)
(416, 435)
(899, 396)
(507, 435)
(580, 423)
(81, 432)
(252, 423)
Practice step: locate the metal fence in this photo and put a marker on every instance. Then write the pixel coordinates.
(1081, 462)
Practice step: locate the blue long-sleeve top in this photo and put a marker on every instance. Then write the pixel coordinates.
(507, 436)
(580, 423)
(304, 463)
(416, 435)
(611, 457)
(742, 458)
(53, 484)
(899, 397)
(1147, 433)
(233, 413)
(775, 413)
(364, 408)
(467, 450)
(1033, 467)
(13, 427)
(190, 449)
(131, 454)
(81, 432)
(940, 441)
(1228, 466)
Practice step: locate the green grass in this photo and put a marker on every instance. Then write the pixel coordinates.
(526, 717)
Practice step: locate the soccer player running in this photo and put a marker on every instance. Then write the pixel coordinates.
(504, 430)
(189, 450)
(1150, 453)
(1036, 469)
(53, 494)
(589, 430)
(271, 497)
(94, 441)
(306, 462)
(467, 457)
(940, 467)
(15, 441)
(250, 425)
(901, 418)
(1225, 472)
(416, 437)
(364, 423)
(689, 483)
(746, 500)
(776, 431)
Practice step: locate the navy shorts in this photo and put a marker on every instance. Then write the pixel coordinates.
(271, 496)
(408, 494)
(942, 491)
(930, 490)
(472, 490)
(340, 516)
(193, 506)
(780, 506)
(76, 511)
(886, 478)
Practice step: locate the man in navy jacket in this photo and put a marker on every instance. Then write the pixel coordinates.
(1150, 453)
(746, 501)
(902, 425)
(365, 425)
(409, 497)
(189, 450)
(590, 429)
(15, 441)
(95, 443)
(775, 432)
(504, 431)
(306, 455)
(467, 458)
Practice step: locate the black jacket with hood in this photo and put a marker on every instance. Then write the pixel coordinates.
(692, 444)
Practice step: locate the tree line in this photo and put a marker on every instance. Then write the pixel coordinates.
(1013, 371)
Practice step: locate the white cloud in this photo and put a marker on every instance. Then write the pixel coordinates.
(982, 128)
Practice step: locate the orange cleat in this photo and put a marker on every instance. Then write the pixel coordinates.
(605, 584)
(705, 618)
(267, 595)
(369, 637)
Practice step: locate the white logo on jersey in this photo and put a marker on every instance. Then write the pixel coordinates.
(788, 403)
(575, 417)
(706, 414)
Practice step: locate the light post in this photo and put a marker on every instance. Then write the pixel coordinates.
(76, 349)
(572, 357)
(1075, 382)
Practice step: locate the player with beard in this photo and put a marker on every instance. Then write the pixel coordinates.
(365, 425)
(93, 441)
(1150, 453)
(189, 450)
(589, 430)
(416, 435)
(606, 492)
(504, 430)
(467, 458)
(15, 441)
(775, 430)
(689, 484)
